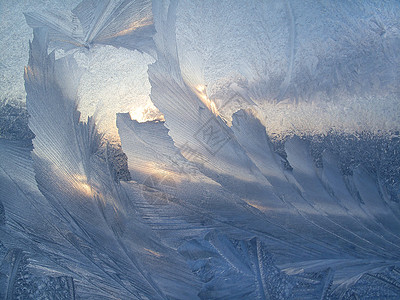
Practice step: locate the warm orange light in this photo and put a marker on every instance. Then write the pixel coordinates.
(202, 94)
(153, 252)
(82, 185)
(146, 113)
(132, 27)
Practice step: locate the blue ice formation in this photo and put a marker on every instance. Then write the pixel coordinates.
(212, 208)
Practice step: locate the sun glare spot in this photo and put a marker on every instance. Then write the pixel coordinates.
(201, 88)
(146, 113)
(82, 185)
(257, 206)
(201, 92)
(155, 253)
(135, 25)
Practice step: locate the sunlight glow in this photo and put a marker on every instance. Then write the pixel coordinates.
(201, 92)
(146, 113)
(155, 253)
(135, 25)
(82, 185)
(257, 206)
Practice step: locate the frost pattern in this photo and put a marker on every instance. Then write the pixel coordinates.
(211, 207)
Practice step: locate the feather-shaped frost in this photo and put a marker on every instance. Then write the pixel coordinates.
(81, 193)
(211, 210)
(125, 23)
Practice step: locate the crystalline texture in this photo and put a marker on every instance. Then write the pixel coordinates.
(209, 209)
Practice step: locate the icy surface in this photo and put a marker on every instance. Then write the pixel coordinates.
(154, 165)
(308, 65)
(115, 81)
(15, 34)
